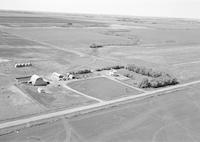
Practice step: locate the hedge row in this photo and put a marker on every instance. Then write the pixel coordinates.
(85, 71)
(146, 71)
(111, 67)
(96, 46)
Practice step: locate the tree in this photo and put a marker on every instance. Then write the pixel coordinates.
(144, 83)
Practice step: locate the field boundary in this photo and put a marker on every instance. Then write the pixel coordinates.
(127, 85)
(83, 94)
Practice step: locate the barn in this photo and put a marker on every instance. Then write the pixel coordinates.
(37, 81)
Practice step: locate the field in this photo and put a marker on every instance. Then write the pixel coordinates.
(103, 88)
(60, 43)
(161, 118)
(153, 46)
(56, 97)
(14, 104)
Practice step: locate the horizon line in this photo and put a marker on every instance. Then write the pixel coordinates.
(105, 14)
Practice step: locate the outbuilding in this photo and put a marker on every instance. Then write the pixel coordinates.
(41, 90)
(37, 81)
(71, 76)
(112, 72)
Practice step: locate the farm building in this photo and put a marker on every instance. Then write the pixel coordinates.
(41, 90)
(112, 72)
(23, 65)
(37, 81)
(57, 76)
(71, 76)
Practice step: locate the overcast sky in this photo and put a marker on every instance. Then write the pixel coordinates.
(159, 8)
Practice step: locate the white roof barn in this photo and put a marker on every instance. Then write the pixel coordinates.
(37, 80)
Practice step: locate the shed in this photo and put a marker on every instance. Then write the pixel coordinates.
(37, 81)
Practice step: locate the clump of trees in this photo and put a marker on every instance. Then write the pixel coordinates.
(111, 67)
(158, 82)
(95, 46)
(158, 78)
(85, 71)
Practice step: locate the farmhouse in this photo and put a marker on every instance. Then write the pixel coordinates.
(57, 76)
(37, 81)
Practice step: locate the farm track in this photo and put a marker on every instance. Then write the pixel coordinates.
(93, 107)
(82, 94)
(187, 63)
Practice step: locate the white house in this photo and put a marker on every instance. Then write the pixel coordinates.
(37, 80)
(57, 76)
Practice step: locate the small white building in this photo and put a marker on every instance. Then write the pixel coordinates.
(37, 81)
(111, 72)
(40, 90)
(71, 76)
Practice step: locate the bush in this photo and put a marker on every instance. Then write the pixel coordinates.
(157, 82)
(144, 83)
(160, 79)
(96, 46)
(85, 71)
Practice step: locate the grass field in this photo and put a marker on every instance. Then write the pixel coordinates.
(44, 21)
(170, 117)
(56, 97)
(9, 39)
(103, 88)
(14, 104)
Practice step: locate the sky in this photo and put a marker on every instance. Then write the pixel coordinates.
(157, 8)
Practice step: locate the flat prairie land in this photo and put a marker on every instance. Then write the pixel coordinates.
(103, 88)
(56, 97)
(15, 104)
(9, 39)
(169, 117)
(60, 43)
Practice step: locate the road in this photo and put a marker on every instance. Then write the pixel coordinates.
(82, 94)
(91, 107)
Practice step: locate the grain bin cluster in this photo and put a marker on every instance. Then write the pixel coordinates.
(23, 65)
